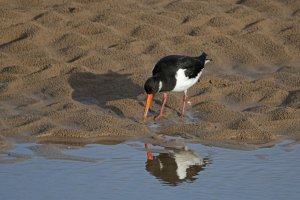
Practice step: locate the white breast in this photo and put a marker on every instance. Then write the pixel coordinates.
(183, 82)
(184, 160)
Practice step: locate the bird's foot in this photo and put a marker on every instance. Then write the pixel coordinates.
(180, 114)
(143, 120)
(158, 116)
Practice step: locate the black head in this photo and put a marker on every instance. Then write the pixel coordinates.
(152, 85)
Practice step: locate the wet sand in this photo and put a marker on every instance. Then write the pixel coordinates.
(73, 71)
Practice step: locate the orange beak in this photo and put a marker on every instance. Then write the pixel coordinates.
(149, 154)
(148, 103)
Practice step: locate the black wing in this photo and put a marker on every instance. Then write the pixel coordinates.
(169, 65)
(192, 65)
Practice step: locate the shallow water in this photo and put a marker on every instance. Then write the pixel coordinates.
(34, 171)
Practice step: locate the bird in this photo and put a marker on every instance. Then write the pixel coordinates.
(173, 73)
(174, 166)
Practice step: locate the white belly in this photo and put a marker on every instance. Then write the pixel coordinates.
(183, 83)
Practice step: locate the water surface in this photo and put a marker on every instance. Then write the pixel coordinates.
(123, 171)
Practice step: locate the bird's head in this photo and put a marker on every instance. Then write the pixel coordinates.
(152, 86)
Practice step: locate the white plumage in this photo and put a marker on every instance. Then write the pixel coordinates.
(183, 82)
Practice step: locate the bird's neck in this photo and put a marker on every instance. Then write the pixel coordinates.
(160, 86)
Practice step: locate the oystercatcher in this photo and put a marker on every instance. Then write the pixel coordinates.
(174, 166)
(175, 73)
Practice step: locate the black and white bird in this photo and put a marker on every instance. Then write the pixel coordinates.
(176, 166)
(174, 73)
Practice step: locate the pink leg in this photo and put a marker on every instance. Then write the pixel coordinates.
(184, 100)
(162, 107)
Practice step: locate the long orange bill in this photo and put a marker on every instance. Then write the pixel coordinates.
(149, 154)
(148, 103)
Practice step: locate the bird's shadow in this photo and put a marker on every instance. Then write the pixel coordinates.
(99, 89)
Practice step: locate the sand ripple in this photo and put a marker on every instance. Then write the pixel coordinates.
(75, 69)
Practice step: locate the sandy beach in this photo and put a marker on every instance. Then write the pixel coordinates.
(73, 71)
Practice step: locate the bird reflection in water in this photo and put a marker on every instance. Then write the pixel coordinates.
(175, 166)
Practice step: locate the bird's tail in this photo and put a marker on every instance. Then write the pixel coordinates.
(202, 57)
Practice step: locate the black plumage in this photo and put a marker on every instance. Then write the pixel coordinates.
(166, 68)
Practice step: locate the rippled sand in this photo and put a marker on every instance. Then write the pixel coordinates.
(74, 71)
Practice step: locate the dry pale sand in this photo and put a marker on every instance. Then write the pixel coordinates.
(73, 71)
